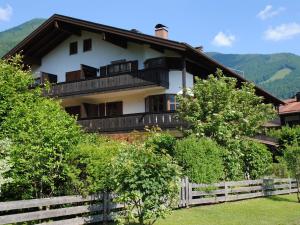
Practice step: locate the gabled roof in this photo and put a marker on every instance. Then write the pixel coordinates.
(58, 28)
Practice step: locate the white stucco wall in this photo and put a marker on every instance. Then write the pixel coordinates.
(58, 61)
(175, 81)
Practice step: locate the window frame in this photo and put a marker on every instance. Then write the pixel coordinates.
(72, 49)
(87, 45)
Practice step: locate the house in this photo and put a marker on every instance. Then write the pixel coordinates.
(116, 80)
(289, 113)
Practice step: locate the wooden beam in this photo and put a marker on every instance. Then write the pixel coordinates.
(184, 76)
(29, 60)
(47, 47)
(113, 39)
(67, 28)
(45, 40)
(157, 48)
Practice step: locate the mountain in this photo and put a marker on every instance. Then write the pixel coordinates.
(9, 38)
(277, 73)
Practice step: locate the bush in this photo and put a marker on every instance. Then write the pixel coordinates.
(292, 158)
(161, 142)
(92, 158)
(42, 133)
(4, 162)
(146, 182)
(286, 136)
(257, 159)
(201, 159)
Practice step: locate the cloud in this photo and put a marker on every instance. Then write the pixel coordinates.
(5, 13)
(282, 32)
(223, 40)
(268, 12)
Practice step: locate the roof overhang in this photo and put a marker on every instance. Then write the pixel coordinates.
(58, 28)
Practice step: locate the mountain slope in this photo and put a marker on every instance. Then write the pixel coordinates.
(11, 37)
(277, 73)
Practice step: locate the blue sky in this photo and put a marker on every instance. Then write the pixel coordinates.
(228, 26)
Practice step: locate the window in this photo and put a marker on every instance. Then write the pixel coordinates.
(73, 48)
(87, 45)
(114, 108)
(103, 109)
(172, 103)
(156, 103)
(161, 103)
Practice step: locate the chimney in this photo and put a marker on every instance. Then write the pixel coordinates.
(161, 31)
(199, 48)
(298, 97)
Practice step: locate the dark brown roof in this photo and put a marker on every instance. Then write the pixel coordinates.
(57, 28)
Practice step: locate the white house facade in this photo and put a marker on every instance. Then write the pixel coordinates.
(115, 80)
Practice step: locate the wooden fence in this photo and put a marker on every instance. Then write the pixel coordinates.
(67, 210)
(197, 194)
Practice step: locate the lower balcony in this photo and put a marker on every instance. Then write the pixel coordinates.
(131, 122)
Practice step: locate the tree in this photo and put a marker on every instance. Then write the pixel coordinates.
(218, 109)
(201, 159)
(43, 136)
(292, 157)
(228, 112)
(4, 162)
(146, 182)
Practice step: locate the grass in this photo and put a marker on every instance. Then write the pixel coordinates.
(275, 210)
(280, 74)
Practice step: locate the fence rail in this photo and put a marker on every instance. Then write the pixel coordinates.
(77, 210)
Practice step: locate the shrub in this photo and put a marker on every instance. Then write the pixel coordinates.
(161, 142)
(43, 136)
(147, 182)
(4, 162)
(201, 159)
(292, 157)
(92, 158)
(286, 136)
(257, 159)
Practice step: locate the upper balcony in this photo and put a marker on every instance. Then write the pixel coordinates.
(115, 77)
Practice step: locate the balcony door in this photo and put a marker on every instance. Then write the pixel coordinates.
(161, 103)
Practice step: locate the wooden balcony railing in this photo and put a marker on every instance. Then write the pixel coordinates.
(141, 78)
(130, 122)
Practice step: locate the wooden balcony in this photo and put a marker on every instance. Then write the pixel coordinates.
(131, 122)
(139, 79)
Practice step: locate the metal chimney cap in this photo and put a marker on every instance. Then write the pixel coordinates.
(159, 25)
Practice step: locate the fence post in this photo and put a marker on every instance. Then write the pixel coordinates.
(226, 191)
(290, 185)
(188, 192)
(105, 207)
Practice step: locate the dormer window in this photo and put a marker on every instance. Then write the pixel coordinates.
(73, 48)
(87, 45)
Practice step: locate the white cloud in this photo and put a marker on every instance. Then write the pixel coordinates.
(223, 40)
(268, 12)
(5, 13)
(282, 32)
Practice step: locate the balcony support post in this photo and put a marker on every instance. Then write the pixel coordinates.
(184, 76)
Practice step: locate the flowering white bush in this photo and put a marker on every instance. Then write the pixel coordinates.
(4, 161)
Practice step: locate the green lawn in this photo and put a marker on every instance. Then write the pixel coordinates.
(276, 210)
